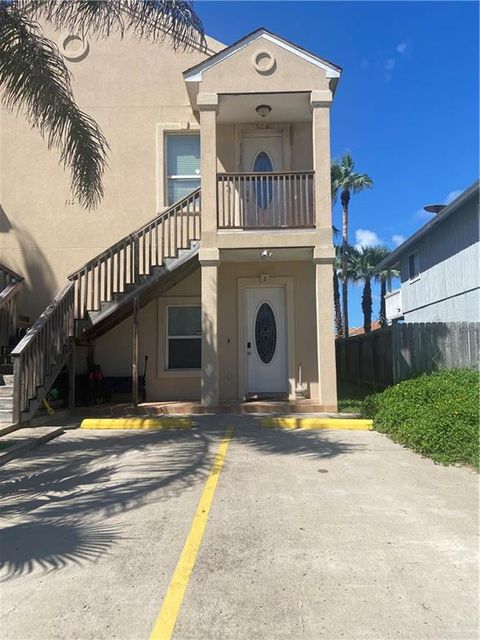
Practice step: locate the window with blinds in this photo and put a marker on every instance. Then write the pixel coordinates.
(183, 164)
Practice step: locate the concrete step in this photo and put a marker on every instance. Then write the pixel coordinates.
(6, 391)
(6, 416)
(6, 379)
(6, 403)
(25, 439)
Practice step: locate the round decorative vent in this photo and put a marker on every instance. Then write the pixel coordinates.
(73, 47)
(263, 61)
(265, 333)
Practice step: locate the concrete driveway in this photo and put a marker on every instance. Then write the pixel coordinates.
(330, 534)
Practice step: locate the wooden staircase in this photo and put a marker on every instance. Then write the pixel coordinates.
(10, 283)
(100, 294)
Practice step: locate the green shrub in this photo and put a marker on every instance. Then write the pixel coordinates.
(436, 414)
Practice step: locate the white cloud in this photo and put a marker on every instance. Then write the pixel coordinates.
(388, 67)
(389, 64)
(398, 239)
(401, 48)
(366, 238)
(452, 195)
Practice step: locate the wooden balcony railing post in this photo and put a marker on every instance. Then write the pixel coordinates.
(268, 200)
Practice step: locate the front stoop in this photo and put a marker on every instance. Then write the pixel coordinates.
(195, 408)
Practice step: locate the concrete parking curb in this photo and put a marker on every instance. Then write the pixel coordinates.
(318, 423)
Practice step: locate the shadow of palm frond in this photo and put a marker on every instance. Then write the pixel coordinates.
(47, 546)
(103, 475)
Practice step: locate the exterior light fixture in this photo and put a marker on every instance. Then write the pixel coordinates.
(263, 110)
(266, 253)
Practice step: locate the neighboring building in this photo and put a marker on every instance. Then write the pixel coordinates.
(234, 281)
(439, 267)
(359, 331)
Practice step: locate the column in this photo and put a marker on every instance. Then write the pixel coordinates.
(327, 373)
(209, 284)
(208, 106)
(320, 102)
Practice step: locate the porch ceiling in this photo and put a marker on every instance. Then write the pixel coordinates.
(286, 107)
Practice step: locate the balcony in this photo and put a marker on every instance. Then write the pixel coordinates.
(393, 305)
(265, 200)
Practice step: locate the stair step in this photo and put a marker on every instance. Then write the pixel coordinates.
(6, 379)
(6, 391)
(6, 415)
(6, 403)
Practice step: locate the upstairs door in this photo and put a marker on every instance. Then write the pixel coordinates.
(261, 154)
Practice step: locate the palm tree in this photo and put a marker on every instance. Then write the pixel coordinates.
(35, 79)
(363, 263)
(337, 265)
(345, 180)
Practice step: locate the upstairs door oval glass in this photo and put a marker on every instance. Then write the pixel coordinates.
(263, 184)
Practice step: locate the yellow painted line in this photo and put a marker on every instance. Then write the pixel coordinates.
(165, 623)
(318, 423)
(136, 423)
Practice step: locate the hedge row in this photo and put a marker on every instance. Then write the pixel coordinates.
(436, 415)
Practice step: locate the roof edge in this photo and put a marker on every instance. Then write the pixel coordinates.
(194, 74)
(394, 257)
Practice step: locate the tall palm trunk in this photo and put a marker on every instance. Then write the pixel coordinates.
(345, 199)
(367, 306)
(383, 290)
(336, 304)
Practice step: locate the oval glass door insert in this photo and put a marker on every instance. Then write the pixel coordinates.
(265, 333)
(263, 184)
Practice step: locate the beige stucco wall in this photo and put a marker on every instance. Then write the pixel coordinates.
(128, 87)
(113, 351)
(304, 347)
(237, 73)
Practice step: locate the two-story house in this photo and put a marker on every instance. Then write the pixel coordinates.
(439, 266)
(211, 252)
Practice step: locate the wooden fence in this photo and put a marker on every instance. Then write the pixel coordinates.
(401, 351)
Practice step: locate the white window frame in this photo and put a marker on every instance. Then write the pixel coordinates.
(169, 177)
(189, 337)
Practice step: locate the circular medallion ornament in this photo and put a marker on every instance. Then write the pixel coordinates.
(73, 47)
(263, 61)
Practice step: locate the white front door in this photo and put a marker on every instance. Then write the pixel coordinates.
(254, 145)
(262, 154)
(266, 343)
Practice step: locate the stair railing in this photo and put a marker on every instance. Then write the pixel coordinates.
(40, 355)
(111, 271)
(10, 283)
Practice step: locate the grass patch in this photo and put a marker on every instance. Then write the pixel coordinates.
(351, 397)
(436, 415)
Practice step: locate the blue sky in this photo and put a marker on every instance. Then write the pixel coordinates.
(406, 107)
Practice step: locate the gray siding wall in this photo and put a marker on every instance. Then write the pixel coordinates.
(448, 288)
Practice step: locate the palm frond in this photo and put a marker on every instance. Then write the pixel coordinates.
(154, 20)
(35, 80)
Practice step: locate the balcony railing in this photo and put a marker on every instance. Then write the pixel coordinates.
(393, 305)
(265, 200)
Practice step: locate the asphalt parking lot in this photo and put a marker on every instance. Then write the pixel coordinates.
(300, 534)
